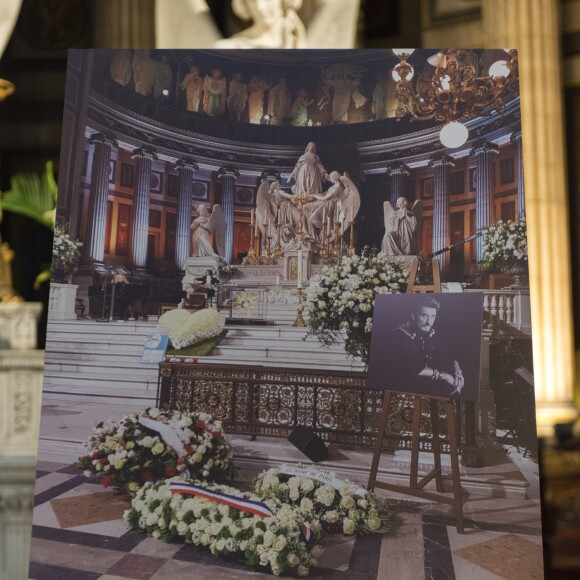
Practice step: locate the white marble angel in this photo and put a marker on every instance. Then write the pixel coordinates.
(340, 203)
(274, 206)
(402, 228)
(274, 24)
(205, 225)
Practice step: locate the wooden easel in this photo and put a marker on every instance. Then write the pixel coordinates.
(416, 487)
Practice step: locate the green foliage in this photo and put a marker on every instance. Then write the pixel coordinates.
(33, 195)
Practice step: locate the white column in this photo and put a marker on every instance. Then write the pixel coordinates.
(141, 204)
(532, 26)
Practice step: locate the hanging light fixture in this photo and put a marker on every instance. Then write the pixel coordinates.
(453, 135)
(456, 91)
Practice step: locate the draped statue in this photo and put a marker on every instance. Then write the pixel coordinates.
(201, 228)
(402, 233)
(274, 24)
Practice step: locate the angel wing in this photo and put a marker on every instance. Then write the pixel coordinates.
(417, 211)
(388, 213)
(350, 200)
(388, 246)
(264, 209)
(217, 226)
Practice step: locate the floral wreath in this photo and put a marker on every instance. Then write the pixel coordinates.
(154, 445)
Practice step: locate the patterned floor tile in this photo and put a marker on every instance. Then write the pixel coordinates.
(137, 566)
(84, 558)
(509, 556)
(89, 509)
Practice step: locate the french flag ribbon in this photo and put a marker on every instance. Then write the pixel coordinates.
(246, 505)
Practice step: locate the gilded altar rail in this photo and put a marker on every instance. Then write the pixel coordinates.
(271, 402)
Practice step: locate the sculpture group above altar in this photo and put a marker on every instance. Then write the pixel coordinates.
(307, 217)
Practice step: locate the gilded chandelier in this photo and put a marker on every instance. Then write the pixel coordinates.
(455, 91)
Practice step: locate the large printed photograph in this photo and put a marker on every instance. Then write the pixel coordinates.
(225, 221)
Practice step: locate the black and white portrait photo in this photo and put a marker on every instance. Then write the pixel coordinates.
(427, 344)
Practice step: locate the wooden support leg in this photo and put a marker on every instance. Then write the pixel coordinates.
(379, 444)
(415, 442)
(436, 444)
(457, 499)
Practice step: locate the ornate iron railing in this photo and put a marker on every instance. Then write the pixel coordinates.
(271, 402)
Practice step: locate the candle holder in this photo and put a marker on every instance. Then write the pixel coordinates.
(267, 255)
(299, 320)
(278, 246)
(251, 258)
(351, 249)
(336, 247)
(257, 247)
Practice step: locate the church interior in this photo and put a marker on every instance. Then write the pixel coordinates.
(140, 161)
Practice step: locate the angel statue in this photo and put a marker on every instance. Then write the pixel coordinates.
(274, 24)
(340, 203)
(201, 228)
(273, 206)
(401, 228)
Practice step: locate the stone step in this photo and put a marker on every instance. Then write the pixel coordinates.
(93, 392)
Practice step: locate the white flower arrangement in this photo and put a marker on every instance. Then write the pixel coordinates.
(126, 453)
(65, 254)
(342, 298)
(505, 245)
(186, 328)
(337, 509)
(276, 541)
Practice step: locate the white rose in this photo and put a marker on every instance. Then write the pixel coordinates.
(280, 543)
(348, 526)
(293, 559)
(269, 538)
(302, 571)
(182, 527)
(332, 517)
(347, 502)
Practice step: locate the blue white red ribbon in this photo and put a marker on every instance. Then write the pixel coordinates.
(255, 507)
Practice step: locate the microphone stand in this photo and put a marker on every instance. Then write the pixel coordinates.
(451, 246)
(103, 319)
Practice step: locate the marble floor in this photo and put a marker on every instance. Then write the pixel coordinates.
(78, 532)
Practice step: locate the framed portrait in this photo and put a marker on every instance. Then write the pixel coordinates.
(200, 190)
(244, 196)
(506, 171)
(127, 175)
(427, 188)
(156, 181)
(427, 344)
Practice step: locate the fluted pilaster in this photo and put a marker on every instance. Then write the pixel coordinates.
(228, 177)
(185, 169)
(485, 154)
(441, 165)
(397, 173)
(144, 157)
(517, 139)
(97, 226)
(532, 26)
(125, 23)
